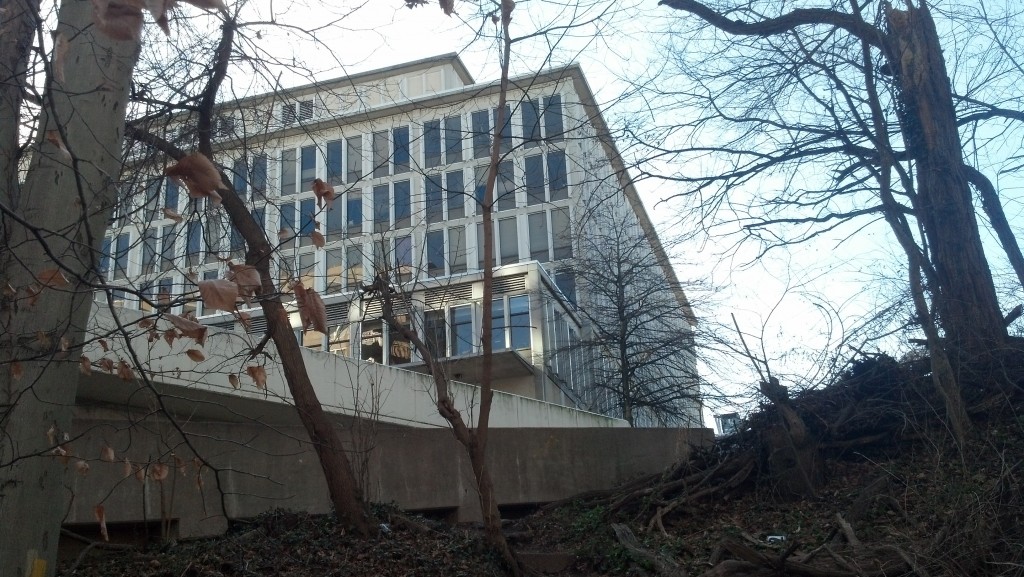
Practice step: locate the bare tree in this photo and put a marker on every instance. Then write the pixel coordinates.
(863, 93)
(639, 339)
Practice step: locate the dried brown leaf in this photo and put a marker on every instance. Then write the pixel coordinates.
(107, 365)
(158, 471)
(52, 277)
(324, 193)
(258, 375)
(81, 467)
(124, 371)
(233, 379)
(218, 294)
(127, 468)
(189, 328)
(51, 434)
(318, 239)
(84, 365)
(17, 371)
(196, 355)
(170, 335)
(107, 454)
(199, 175)
(246, 277)
(245, 319)
(173, 215)
(53, 137)
(146, 323)
(104, 345)
(101, 518)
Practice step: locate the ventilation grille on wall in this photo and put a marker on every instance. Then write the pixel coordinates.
(439, 297)
(509, 284)
(337, 314)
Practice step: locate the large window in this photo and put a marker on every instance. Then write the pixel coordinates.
(435, 331)
(171, 190)
(453, 139)
(121, 256)
(498, 325)
(435, 253)
(308, 166)
(380, 154)
(288, 172)
(403, 258)
(506, 127)
(149, 240)
(505, 187)
(286, 226)
(354, 262)
(431, 143)
(457, 250)
(433, 197)
(193, 243)
(239, 174)
(402, 151)
(335, 222)
(335, 167)
(335, 271)
(462, 330)
(259, 174)
(403, 204)
(381, 207)
(519, 321)
(354, 211)
(307, 221)
(553, 126)
(456, 191)
(534, 180)
(508, 240)
(354, 162)
(399, 347)
(481, 134)
(538, 223)
(168, 237)
(557, 180)
(371, 346)
(561, 234)
(531, 122)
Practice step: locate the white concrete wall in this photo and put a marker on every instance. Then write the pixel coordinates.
(344, 386)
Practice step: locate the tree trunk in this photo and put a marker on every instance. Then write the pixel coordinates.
(58, 220)
(965, 299)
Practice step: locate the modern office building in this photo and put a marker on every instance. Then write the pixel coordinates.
(406, 150)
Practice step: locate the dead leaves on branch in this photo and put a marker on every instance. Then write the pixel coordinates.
(218, 294)
(198, 175)
(312, 311)
(122, 19)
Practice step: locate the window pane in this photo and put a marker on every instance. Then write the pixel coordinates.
(506, 128)
(435, 253)
(354, 163)
(121, 256)
(193, 243)
(481, 134)
(462, 330)
(498, 324)
(566, 282)
(556, 176)
(307, 270)
(432, 143)
(519, 321)
(338, 340)
(335, 272)
(380, 154)
(288, 172)
(335, 168)
(354, 259)
(371, 347)
(435, 331)
(561, 240)
(534, 180)
(508, 239)
(457, 249)
(505, 187)
(538, 223)
(453, 139)
(168, 237)
(401, 136)
(307, 216)
(531, 122)
(381, 208)
(481, 185)
(164, 290)
(335, 222)
(456, 191)
(213, 238)
(403, 204)
(259, 173)
(433, 197)
(171, 194)
(403, 258)
(399, 348)
(354, 211)
(286, 234)
(238, 175)
(149, 251)
(308, 165)
(553, 128)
